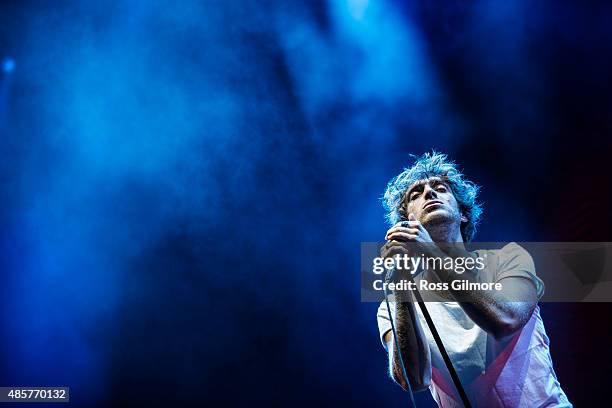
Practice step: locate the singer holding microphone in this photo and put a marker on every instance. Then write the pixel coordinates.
(498, 348)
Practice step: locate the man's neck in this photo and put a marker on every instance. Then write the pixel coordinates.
(444, 234)
(454, 247)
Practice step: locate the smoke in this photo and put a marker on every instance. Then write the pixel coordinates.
(187, 183)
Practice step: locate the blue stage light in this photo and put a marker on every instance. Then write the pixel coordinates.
(8, 65)
(357, 8)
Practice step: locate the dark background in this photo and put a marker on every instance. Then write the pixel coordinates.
(185, 185)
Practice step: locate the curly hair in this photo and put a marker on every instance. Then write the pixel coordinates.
(434, 164)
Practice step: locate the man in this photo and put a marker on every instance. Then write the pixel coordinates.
(498, 347)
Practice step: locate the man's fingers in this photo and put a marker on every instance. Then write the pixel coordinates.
(407, 230)
(403, 236)
(410, 231)
(407, 224)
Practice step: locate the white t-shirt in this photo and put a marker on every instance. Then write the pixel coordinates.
(515, 372)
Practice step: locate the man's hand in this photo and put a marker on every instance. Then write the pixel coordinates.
(392, 248)
(408, 231)
(402, 237)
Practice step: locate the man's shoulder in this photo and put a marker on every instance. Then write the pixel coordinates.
(508, 249)
(513, 260)
(512, 252)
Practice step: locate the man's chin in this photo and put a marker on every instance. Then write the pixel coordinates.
(436, 217)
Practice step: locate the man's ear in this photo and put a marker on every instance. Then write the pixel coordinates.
(463, 218)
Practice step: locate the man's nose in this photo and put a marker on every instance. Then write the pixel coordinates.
(429, 193)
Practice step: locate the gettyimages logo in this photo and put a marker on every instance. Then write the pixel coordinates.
(560, 271)
(412, 264)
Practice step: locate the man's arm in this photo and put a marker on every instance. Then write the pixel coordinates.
(411, 338)
(499, 313)
(414, 349)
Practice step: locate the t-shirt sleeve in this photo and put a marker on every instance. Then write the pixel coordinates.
(384, 324)
(514, 260)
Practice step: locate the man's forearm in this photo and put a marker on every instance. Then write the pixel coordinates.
(495, 312)
(413, 345)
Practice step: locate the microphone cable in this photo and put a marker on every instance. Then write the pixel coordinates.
(437, 339)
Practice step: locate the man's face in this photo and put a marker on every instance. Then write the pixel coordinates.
(432, 202)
